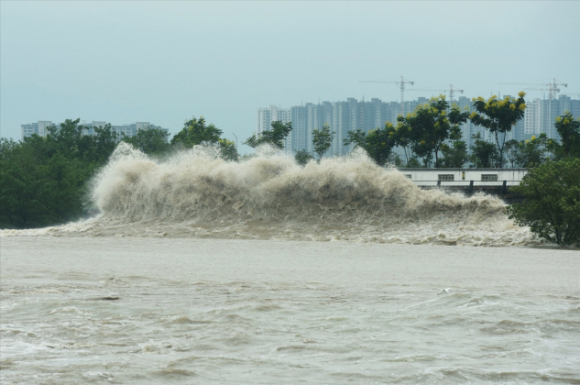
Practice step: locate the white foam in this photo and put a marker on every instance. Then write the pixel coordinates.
(195, 193)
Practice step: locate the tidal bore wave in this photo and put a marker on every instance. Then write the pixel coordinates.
(195, 193)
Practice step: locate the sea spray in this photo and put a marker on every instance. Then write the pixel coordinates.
(195, 193)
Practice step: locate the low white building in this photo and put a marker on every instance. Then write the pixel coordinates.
(465, 177)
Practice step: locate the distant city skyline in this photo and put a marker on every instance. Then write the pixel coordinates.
(540, 112)
(352, 114)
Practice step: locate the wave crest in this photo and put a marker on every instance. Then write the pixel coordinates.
(196, 193)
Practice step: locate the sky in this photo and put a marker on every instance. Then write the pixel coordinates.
(165, 62)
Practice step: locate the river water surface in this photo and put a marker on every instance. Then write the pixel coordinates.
(203, 271)
(150, 310)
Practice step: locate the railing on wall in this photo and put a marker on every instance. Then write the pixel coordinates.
(469, 185)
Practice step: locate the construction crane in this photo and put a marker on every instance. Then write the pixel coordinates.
(550, 89)
(451, 91)
(552, 86)
(401, 85)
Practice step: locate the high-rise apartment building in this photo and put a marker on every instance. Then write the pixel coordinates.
(268, 115)
(272, 114)
(540, 115)
(568, 104)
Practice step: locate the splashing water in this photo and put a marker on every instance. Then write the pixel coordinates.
(195, 193)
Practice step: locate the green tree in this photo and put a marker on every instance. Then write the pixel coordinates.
(395, 160)
(43, 180)
(302, 157)
(551, 205)
(402, 138)
(322, 140)
(228, 150)
(409, 135)
(498, 116)
(483, 153)
(455, 156)
(105, 141)
(70, 140)
(274, 137)
(74, 142)
(378, 143)
(62, 190)
(357, 137)
(39, 187)
(532, 152)
(413, 163)
(195, 132)
(431, 125)
(512, 152)
(150, 141)
(569, 130)
(17, 184)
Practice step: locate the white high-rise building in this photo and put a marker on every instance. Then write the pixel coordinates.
(268, 115)
(530, 125)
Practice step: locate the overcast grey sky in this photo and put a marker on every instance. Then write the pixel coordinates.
(164, 62)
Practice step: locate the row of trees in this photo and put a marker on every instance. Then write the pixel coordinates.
(431, 134)
(44, 180)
